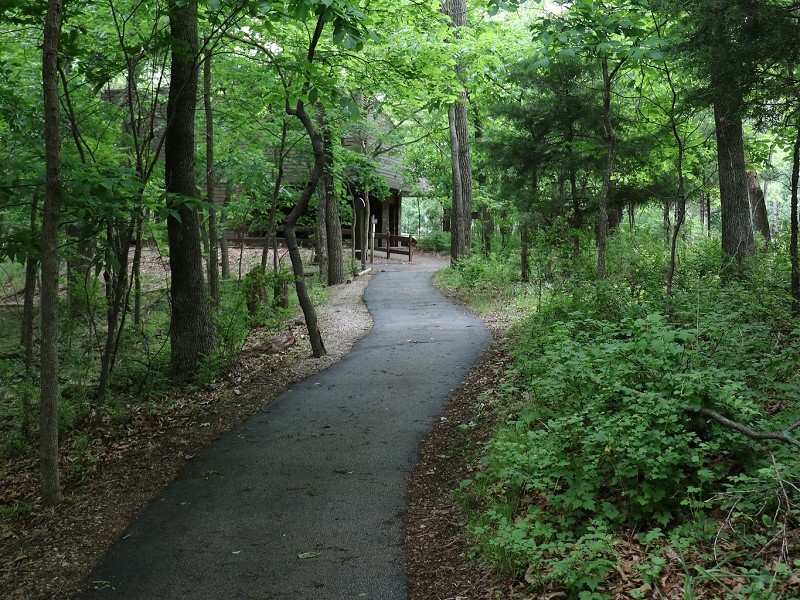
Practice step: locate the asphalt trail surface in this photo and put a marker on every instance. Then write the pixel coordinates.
(303, 501)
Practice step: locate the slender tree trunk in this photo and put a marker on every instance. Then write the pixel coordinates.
(525, 235)
(457, 201)
(487, 223)
(136, 272)
(211, 183)
(223, 244)
(272, 221)
(737, 228)
(322, 233)
(191, 332)
(605, 189)
(31, 269)
(795, 285)
(758, 207)
(317, 345)
(26, 331)
(118, 241)
(48, 420)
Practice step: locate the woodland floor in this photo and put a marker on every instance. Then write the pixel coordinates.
(49, 553)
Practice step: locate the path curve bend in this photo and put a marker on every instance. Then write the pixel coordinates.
(303, 501)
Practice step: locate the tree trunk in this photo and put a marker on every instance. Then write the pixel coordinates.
(758, 207)
(457, 201)
(795, 285)
(211, 183)
(317, 345)
(118, 241)
(605, 189)
(461, 215)
(136, 272)
(48, 419)
(333, 219)
(31, 268)
(322, 234)
(26, 331)
(525, 235)
(223, 239)
(737, 229)
(191, 333)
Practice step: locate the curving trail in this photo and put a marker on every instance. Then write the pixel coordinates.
(303, 500)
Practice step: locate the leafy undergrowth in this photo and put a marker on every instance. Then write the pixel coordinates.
(607, 475)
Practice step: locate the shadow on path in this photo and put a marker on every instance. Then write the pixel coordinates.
(302, 501)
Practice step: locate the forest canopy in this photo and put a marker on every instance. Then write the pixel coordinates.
(626, 171)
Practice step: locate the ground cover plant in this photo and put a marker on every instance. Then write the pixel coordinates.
(606, 476)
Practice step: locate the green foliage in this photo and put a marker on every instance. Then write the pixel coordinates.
(604, 433)
(434, 241)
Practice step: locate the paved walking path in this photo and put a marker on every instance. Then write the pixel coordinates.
(303, 500)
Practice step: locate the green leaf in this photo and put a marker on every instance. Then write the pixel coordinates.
(307, 555)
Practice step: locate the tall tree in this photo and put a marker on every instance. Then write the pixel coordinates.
(48, 423)
(211, 182)
(461, 211)
(191, 332)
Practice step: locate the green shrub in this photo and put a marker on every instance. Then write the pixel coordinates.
(434, 241)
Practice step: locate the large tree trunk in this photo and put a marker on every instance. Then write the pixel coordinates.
(737, 229)
(333, 218)
(48, 420)
(758, 207)
(211, 183)
(191, 333)
(461, 214)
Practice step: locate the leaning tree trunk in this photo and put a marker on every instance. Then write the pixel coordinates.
(299, 111)
(211, 183)
(191, 333)
(737, 228)
(758, 207)
(48, 420)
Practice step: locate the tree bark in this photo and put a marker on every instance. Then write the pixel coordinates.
(605, 189)
(48, 418)
(333, 219)
(758, 207)
(191, 333)
(31, 268)
(525, 266)
(223, 243)
(461, 214)
(211, 183)
(737, 228)
(457, 200)
(317, 345)
(322, 233)
(795, 262)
